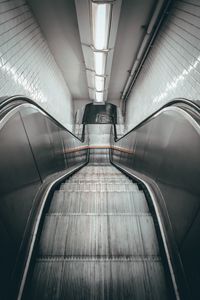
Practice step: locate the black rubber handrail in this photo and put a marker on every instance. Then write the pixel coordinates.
(4, 101)
(174, 102)
(7, 100)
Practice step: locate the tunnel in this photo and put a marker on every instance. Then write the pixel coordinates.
(99, 149)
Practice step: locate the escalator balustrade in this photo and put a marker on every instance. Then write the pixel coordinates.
(98, 242)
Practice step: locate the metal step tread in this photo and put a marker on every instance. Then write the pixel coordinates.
(98, 214)
(98, 235)
(98, 241)
(98, 179)
(99, 258)
(90, 169)
(101, 186)
(99, 202)
(108, 279)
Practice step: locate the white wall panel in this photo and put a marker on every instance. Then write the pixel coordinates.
(172, 68)
(26, 65)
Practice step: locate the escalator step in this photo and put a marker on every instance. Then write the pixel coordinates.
(98, 241)
(100, 180)
(104, 170)
(99, 202)
(99, 187)
(136, 279)
(95, 235)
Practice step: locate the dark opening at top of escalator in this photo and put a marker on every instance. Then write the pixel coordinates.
(100, 114)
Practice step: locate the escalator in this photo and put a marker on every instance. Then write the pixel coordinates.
(98, 242)
(99, 216)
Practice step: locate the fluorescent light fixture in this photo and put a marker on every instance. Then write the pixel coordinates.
(101, 14)
(99, 83)
(99, 96)
(99, 63)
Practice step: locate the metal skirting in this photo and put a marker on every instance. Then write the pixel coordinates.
(98, 242)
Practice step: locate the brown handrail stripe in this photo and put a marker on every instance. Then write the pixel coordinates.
(81, 148)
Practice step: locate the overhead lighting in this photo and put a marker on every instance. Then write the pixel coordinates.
(99, 97)
(99, 63)
(101, 17)
(98, 41)
(101, 14)
(99, 83)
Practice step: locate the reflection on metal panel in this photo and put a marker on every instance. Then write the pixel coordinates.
(33, 146)
(166, 149)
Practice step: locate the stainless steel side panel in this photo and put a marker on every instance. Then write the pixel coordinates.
(32, 147)
(166, 149)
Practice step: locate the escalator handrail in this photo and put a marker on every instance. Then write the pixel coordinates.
(4, 101)
(173, 102)
(7, 100)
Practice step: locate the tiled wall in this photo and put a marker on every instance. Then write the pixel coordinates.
(26, 65)
(172, 68)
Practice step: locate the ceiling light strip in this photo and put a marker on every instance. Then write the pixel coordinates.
(100, 63)
(98, 21)
(99, 96)
(99, 83)
(101, 15)
(101, 22)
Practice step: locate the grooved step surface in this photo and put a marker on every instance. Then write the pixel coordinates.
(99, 187)
(96, 235)
(99, 202)
(100, 180)
(98, 242)
(99, 279)
(91, 170)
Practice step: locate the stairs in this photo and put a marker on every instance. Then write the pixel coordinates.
(98, 242)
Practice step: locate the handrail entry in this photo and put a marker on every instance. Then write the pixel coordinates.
(175, 101)
(4, 101)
